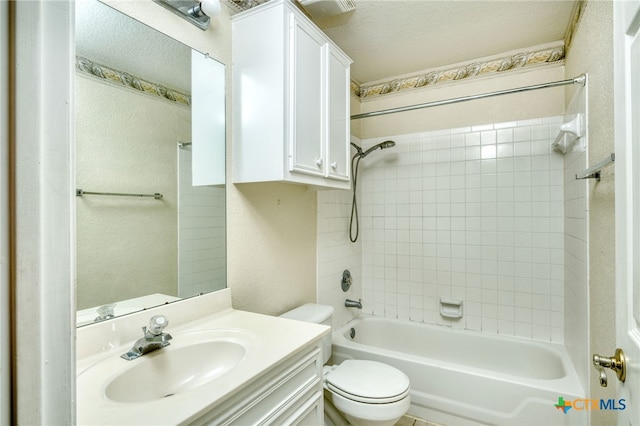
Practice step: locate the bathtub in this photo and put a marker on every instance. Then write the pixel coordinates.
(461, 377)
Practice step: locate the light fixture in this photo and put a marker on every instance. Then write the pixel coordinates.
(198, 13)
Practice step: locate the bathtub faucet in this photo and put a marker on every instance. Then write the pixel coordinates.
(353, 303)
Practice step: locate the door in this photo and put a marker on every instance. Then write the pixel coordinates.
(627, 146)
(338, 115)
(307, 101)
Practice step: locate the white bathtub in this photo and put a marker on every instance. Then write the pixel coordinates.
(461, 377)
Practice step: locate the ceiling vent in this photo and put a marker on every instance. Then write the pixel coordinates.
(325, 8)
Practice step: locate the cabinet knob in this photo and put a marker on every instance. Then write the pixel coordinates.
(334, 165)
(319, 162)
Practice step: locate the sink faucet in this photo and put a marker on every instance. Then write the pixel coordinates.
(105, 312)
(353, 303)
(153, 338)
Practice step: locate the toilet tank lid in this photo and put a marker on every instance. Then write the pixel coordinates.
(310, 312)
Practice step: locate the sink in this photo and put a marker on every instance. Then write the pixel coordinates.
(176, 371)
(218, 356)
(192, 359)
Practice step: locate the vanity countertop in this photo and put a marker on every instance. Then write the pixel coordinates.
(273, 340)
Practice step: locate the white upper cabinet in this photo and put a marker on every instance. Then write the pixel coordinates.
(290, 100)
(338, 114)
(207, 120)
(307, 100)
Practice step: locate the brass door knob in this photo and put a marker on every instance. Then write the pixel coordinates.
(617, 363)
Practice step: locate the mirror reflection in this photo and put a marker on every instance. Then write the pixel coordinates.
(133, 137)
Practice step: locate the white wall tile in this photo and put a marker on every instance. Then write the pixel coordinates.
(201, 233)
(472, 213)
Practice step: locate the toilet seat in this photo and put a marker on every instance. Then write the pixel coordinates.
(368, 382)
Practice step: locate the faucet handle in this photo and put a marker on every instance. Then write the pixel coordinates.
(105, 312)
(157, 323)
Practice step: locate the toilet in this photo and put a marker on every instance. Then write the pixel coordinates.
(365, 392)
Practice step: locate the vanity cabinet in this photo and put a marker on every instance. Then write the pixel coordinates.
(290, 100)
(288, 394)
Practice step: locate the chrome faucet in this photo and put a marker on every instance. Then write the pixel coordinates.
(105, 312)
(153, 338)
(353, 303)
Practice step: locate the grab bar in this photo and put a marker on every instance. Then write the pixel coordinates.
(81, 193)
(593, 172)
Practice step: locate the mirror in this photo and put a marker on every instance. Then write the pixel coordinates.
(145, 235)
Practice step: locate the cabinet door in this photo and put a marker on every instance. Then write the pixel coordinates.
(311, 414)
(306, 100)
(207, 120)
(338, 115)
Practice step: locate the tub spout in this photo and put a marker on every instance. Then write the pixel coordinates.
(353, 303)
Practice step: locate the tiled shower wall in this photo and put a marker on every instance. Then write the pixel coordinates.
(473, 215)
(576, 303)
(201, 233)
(576, 275)
(470, 214)
(337, 253)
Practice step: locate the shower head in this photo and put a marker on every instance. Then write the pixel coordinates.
(381, 145)
(355, 161)
(357, 148)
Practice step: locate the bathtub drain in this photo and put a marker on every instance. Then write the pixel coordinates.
(352, 332)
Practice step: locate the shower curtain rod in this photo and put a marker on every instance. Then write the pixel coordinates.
(581, 79)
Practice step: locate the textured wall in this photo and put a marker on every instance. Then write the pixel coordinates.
(592, 52)
(271, 246)
(521, 106)
(270, 227)
(5, 278)
(126, 142)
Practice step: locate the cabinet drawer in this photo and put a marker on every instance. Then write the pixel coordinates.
(314, 413)
(268, 396)
(307, 410)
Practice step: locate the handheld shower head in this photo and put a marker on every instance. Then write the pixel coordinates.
(358, 149)
(355, 161)
(381, 145)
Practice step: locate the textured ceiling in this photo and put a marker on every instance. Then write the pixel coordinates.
(394, 37)
(111, 38)
(385, 38)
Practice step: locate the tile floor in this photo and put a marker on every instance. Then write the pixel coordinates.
(412, 421)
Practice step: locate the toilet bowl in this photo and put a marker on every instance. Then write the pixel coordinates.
(365, 392)
(368, 392)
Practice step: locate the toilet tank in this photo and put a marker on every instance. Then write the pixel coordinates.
(318, 314)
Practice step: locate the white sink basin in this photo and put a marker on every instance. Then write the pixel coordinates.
(192, 359)
(161, 374)
(208, 337)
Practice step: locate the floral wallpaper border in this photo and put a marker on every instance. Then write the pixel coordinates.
(545, 56)
(89, 67)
